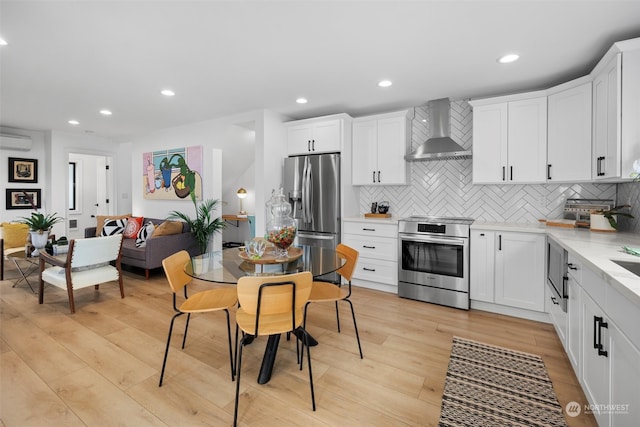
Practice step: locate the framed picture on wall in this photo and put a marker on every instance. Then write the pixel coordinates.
(23, 170)
(23, 199)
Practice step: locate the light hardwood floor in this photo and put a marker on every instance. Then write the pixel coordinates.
(101, 365)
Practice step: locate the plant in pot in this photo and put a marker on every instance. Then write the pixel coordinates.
(607, 220)
(203, 226)
(39, 227)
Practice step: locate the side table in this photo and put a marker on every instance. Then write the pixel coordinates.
(25, 266)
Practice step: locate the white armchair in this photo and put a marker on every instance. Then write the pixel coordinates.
(87, 263)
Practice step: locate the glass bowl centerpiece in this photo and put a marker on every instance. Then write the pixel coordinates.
(281, 227)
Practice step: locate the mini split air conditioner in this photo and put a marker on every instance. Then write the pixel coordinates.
(15, 142)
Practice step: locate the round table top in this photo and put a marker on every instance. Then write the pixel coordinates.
(227, 266)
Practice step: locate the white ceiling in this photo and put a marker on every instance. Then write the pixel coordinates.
(69, 59)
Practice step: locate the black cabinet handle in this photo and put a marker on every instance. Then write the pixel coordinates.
(548, 171)
(482, 234)
(554, 300)
(503, 173)
(499, 242)
(599, 166)
(368, 229)
(595, 331)
(308, 145)
(313, 145)
(572, 267)
(602, 352)
(368, 269)
(368, 247)
(510, 173)
(378, 176)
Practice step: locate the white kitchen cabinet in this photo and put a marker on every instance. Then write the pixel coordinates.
(507, 268)
(616, 108)
(510, 140)
(569, 134)
(315, 136)
(377, 244)
(573, 342)
(520, 267)
(379, 145)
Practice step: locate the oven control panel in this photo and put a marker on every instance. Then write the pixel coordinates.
(432, 228)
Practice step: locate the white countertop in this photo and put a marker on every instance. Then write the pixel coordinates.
(594, 249)
(392, 220)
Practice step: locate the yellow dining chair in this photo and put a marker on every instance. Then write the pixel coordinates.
(271, 305)
(330, 292)
(201, 302)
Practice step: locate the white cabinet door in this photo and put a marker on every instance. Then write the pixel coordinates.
(573, 344)
(392, 147)
(625, 379)
(606, 120)
(365, 152)
(482, 255)
(595, 368)
(527, 140)
(520, 270)
(324, 136)
(569, 135)
(489, 143)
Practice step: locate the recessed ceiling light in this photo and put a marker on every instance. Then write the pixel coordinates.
(301, 100)
(511, 57)
(3, 42)
(106, 112)
(73, 122)
(384, 83)
(167, 92)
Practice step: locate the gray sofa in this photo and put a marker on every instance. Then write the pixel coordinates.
(157, 248)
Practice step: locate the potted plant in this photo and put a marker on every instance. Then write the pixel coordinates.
(39, 227)
(606, 220)
(204, 225)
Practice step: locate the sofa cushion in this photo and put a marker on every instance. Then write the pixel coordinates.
(134, 224)
(167, 228)
(112, 227)
(100, 221)
(129, 250)
(145, 232)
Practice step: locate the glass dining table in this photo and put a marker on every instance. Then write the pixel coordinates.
(227, 266)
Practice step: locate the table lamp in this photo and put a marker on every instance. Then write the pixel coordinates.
(241, 193)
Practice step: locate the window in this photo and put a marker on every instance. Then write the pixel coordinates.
(73, 196)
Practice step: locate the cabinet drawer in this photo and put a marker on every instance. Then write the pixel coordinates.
(371, 229)
(375, 270)
(575, 268)
(594, 286)
(383, 248)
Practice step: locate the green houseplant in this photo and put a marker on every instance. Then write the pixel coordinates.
(203, 226)
(40, 225)
(611, 215)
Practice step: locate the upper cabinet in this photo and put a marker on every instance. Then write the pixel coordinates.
(380, 143)
(315, 136)
(569, 132)
(616, 108)
(510, 139)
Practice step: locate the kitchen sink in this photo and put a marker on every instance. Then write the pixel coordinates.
(632, 266)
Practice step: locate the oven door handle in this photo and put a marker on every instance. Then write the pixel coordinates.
(432, 239)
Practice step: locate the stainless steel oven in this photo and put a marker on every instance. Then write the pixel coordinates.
(433, 263)
(557, 273)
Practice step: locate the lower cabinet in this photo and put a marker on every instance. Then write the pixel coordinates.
(507, 268)
(377, 244)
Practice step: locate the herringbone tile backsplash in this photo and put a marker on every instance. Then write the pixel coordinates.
(444, 188)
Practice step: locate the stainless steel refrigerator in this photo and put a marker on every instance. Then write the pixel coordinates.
(312, 186)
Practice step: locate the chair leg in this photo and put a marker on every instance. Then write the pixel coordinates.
(186, 328)
(72, 304)
(355, 326)
(121, 285)
(146, 274)
(337, 316)
(239, 369)
(41, 290)
(166, 351)
(233, 370)
(304, 327)
(313, 396)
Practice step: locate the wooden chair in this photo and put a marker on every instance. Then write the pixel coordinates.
(271, 305)
(200, 302)
(330, 292)
(88, 263)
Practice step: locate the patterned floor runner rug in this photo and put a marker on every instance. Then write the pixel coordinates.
(494, 386)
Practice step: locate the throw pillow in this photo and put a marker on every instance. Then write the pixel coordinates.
(113, 226)
(167, 228)
(145, 232)
(100, 221)
(15, 234)
(134, 224)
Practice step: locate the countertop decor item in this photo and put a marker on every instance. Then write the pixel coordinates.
(383, 207)
(272, 256)
(281, 227)
(607, 220)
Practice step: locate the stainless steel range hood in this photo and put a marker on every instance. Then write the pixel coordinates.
(440, 146)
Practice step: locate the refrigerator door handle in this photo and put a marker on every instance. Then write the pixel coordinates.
(304, 190)
(316, 236)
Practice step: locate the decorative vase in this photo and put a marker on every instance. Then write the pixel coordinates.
(38, 241)
(598, 222)
(281, 227)
(166, 177)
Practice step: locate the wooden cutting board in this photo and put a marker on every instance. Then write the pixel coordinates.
(377, 215)
(568, 223)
